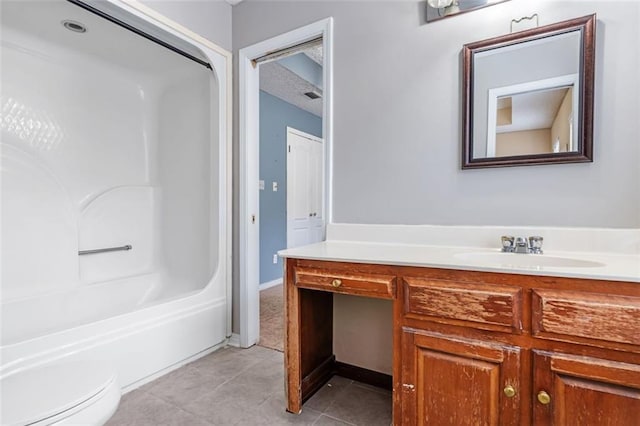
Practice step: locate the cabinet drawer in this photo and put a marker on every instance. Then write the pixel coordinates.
(489, 306)
(345, 282)
(590, 315)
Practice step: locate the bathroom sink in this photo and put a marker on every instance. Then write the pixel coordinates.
(525, 260)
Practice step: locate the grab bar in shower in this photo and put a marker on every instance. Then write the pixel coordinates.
(105, 250)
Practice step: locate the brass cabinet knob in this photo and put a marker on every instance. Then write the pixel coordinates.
(336, 283)
(509, 391)
(544, 398)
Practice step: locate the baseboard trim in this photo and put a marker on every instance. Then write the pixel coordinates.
(269, 284)
(330, 367)
(318, 377)
(363, 375)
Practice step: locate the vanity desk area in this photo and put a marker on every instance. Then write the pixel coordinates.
(479, 336)
(539, 327)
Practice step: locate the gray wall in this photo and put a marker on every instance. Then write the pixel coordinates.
(397, 116)
(275, 116)
(211, 19)
(397, 103)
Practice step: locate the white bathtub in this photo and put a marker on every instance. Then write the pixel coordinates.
(138, 341)
(110, 139)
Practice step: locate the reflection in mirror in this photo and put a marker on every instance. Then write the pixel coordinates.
(529, 96)
(539, 121)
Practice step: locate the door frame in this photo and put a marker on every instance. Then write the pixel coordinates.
(293, 130)
(249, 113)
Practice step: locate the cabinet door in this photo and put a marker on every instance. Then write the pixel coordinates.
(583, 391)
(448, 380)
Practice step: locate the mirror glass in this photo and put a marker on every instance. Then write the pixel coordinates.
(528, 97)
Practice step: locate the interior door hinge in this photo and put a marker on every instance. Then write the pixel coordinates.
(289, 148)
(253, 219)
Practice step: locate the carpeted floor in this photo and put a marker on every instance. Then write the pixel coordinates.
(272, 318)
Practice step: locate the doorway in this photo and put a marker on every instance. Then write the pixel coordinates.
(249, 229)
(299, 215)
(291, 175)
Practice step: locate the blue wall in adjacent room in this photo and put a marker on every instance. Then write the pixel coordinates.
(275, 116)
(305, 68)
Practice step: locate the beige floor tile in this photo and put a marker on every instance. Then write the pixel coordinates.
(184, 385)
(361, 406)
(246, 391)
(325, 420)
(143, 409)
(246, 387)
(273, 412)
(328, 393)
(228, 362)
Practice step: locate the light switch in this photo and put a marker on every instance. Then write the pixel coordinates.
(275, 186)
(261, 184)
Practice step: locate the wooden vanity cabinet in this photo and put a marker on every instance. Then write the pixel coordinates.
(587, 390)
(479, 348)
(584, 391)
(448, 380)
(501, 349)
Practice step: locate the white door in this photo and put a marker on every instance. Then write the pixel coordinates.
(305, 188)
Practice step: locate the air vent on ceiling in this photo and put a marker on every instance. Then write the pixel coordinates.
(74, 26)
(313, 95)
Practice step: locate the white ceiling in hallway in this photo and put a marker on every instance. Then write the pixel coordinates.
(290, 87)
(279, 81)
(315, 54)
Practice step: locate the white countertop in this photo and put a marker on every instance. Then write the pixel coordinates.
(614, 266)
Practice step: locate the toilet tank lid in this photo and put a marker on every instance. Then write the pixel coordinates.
(47, 390)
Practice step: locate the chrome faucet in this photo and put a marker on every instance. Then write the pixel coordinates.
(531, 245)
(521, 245)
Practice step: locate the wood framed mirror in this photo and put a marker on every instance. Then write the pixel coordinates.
(528, 96)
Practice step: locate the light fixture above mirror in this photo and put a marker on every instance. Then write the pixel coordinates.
(438, 9)
(439, 4)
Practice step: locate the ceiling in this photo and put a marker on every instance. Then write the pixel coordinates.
(102, 40)
(315, 53)
(281, 82)
(532, 110)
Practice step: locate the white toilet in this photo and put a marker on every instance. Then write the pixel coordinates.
(63, 393)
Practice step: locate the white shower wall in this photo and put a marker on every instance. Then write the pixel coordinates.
(109, 138)
(71, 130)
(189, 215)
(103, 147)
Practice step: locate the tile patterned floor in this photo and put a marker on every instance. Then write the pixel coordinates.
(246, 387)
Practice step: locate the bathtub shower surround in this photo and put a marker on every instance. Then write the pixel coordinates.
(106, 147)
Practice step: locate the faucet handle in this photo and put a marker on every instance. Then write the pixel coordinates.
(508, 243)
(535, 244)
